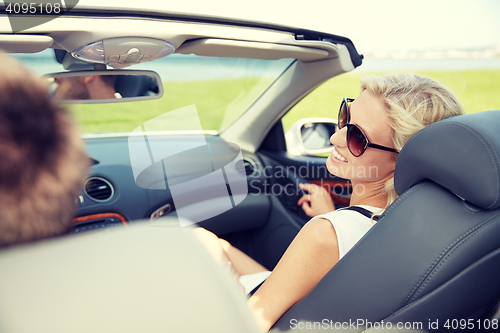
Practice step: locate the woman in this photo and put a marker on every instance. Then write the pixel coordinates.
(373, 128)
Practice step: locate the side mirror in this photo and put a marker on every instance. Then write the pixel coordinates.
(111, 86)
(311, 136)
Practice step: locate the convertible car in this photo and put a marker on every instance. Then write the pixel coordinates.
(193, 134)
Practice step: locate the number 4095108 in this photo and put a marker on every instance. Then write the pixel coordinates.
(34, 8)
(471, 324)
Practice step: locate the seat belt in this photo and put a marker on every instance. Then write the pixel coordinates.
(362, 211)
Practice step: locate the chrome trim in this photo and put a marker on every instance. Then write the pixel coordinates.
(252, 162)
(104, 180)
(160, 212)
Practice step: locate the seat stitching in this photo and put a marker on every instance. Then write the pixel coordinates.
(494, 159)
(488, 147)
(443, 256)
(401, 198)
(392, 207)
(468, 236)
(487, 144)
(403, 308)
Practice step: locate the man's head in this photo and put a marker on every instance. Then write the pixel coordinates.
(87, 87)
(42, 159)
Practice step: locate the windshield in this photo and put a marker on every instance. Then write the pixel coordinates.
(220, 89)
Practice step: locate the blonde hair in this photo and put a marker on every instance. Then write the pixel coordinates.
(412, 102)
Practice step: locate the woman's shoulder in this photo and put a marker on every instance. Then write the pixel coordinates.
(354, 211)
(353, 214)
(350, 224)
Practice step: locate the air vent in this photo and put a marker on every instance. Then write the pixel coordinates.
(99, 189)
(250, 166)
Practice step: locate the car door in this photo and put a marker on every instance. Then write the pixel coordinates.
(277, 175)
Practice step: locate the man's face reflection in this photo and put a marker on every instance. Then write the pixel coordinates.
(72, 88)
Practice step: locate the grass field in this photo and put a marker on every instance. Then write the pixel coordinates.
(476, 89)
(212, 99)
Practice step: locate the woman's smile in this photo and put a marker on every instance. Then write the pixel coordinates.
(336, 157)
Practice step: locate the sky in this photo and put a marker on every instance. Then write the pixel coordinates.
(373, 25)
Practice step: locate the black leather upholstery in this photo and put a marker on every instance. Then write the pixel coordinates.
(432, 256)
(461, 154)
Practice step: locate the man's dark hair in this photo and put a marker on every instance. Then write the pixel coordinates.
(42, 159)
(109, 79)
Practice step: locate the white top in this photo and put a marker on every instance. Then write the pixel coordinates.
(250, 281)
(349, 225)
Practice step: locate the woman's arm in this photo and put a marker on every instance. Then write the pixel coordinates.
(309, 257)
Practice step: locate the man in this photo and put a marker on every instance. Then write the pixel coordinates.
(42, 159)
(88, 87)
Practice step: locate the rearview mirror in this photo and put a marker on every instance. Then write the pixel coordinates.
(310, 136)
(111, 86)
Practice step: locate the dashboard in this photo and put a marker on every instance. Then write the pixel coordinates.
(115, 193)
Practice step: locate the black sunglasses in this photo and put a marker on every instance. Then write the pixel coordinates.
(357, 142)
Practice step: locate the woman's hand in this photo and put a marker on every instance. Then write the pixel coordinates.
(317, 202)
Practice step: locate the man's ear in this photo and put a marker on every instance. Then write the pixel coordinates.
(89, 78)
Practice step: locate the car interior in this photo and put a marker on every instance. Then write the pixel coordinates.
(130, 266)
(262, 225)
(434, 254)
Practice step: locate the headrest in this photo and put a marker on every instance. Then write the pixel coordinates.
(459, 153)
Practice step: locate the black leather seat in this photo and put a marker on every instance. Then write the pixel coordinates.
(434, 255)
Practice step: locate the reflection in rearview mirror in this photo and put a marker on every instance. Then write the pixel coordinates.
(110, 86)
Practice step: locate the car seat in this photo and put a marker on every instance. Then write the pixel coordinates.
(434, 255)
(150, 277)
